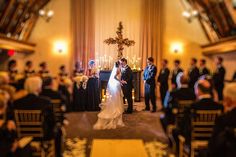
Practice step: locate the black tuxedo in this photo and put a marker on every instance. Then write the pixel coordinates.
(163, 80)
(204, 71)
(127, 75)
(150, 85)
(218, 80)
(175, 72)
(33, 102)
(193, 76)
(217, 144)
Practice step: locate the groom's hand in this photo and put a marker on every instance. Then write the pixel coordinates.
(123, 82)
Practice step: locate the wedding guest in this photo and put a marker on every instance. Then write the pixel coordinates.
(163, 80)
(12, 65)
(43, 72)
(8, 138)
(65, 88)
(223, 140)
(93, 87)
(150, 84)
(183, 92)
(78, 70)
(32, 101)
(62, 72)
(175, 72)
(219, 77)
(5, 84)
(193, 73)
(203, 70)
(29, 71)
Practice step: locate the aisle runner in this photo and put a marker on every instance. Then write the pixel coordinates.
(118, 148)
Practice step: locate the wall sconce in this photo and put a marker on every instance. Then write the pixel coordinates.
(60, 47)
(176, 47)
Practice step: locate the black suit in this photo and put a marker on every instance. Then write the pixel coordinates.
(204, 71)
(163, 80)
(174, 75)
(193, 76)
(150, 86)
(33, 102)
(218, 80)
(218, 146)
(127, 75)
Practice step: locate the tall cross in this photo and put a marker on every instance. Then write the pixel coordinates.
(120, 41)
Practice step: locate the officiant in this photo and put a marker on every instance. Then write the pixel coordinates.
(93, 87)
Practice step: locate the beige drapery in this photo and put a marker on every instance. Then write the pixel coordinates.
(151, 41)
(83, 36)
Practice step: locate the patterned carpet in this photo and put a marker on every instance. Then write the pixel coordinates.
(139, 125)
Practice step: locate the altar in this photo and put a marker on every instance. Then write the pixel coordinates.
(104, 76)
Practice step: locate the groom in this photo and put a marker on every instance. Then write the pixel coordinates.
(126, 83)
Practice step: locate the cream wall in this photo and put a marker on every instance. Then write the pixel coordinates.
(46, 34)
(177, 29)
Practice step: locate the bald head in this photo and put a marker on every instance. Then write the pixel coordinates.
(230, 96)
(202, 87)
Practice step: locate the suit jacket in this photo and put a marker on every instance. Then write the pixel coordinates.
(219, 77)
(203, 104)
(217, 144)
(46, 92)
(204, 71)
(127, 75)
(150, 74)
(193, 76)
(33, 102)
(163, 77)
(174, 75)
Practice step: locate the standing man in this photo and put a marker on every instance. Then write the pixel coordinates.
(203, 70)
(193, 73)
(127, 84)
(150, 84)
(163, 80)
(219, 77)
(175, 72)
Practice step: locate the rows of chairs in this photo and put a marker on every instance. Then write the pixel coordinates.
(29, 123)
(202, 124)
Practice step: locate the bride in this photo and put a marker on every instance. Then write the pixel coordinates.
(110, 116)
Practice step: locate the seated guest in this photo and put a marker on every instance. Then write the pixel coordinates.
(203, 70)
(48, 91)
(8, 139)
(183, 92)
(193, 73)
(175, 72)
(222, 143)
(65, 88)
(4, 84)
(43, 72)
(205, 102)
(33, 101)
(29, 71)
(12, 71)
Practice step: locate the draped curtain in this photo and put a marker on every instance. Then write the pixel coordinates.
(83, 30)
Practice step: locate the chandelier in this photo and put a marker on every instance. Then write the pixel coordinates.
(46, 14)
(188, 13)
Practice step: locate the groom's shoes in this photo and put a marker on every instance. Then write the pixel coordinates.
(153, 111)
(128, 112)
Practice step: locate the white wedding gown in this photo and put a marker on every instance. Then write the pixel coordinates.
(110, 116)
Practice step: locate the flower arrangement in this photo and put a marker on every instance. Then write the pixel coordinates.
(81, 81)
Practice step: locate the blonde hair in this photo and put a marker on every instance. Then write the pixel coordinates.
(4, 97)
(33, 85)
(230, 91)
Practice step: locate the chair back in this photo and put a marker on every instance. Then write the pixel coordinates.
(57, 110)
(29, 123)
(203, 122)
(182, 104)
